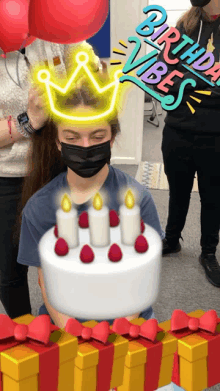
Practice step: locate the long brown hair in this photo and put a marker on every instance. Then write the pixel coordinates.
(44, 159)
(190, 19)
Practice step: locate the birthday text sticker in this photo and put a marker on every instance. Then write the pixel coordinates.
(150, 71)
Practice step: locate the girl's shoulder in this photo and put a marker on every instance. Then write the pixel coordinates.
(123, 181)
(124, 176)
(44, 200)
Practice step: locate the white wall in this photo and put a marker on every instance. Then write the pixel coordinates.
(125, 17)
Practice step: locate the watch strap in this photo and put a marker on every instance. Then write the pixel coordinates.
(29, 128)
(26, 125)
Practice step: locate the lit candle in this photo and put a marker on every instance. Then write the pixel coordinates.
(67, 222)
(130, 220)
(99, 226)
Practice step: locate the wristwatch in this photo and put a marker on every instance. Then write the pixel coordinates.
(24, 122)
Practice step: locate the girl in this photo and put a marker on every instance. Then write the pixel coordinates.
(191, 143)
(77, 157)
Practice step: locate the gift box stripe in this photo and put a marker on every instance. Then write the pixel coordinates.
(105, 364)
(213, 366)
(98, 366)
(148, 365)
(153, 364)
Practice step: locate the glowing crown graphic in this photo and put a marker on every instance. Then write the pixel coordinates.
(82, 59)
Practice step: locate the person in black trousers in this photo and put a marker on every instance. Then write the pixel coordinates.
(191, 143)
(14, 293)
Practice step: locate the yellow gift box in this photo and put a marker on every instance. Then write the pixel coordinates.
(149, 367)
(20, 365)
(197, 365)
(88, 375)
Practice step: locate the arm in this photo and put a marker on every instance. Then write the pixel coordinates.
(36, 113)
(58, 318)
(30, 235)
(5, 138)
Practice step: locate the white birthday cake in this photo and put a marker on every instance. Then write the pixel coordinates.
(101, 281)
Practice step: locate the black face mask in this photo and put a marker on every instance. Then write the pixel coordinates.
(86, 161)
(199, 3)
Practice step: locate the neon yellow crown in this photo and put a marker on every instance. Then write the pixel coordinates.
(82, 59)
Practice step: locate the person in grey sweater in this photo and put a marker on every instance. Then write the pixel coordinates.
(15, 141)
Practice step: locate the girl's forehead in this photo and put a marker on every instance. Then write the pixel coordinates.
(84, 127)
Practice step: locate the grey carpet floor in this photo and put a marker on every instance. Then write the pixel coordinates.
(183, 283)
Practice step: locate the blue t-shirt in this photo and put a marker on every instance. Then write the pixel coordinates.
(39, 214)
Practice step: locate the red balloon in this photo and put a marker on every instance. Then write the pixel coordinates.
(14, 25)
(66, 21)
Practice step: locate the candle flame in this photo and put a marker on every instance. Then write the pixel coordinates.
(97, 201)
(129, 199)
(66, 203)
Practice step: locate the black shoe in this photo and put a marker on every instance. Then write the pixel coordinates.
(212, 268)
(169, 248)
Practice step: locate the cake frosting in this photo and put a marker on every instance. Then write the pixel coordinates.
(104, 287)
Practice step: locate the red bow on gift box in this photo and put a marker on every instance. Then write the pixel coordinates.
(100, 332)
(38, 330)
(208, 322)
(148, 329)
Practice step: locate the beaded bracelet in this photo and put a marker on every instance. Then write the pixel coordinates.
(9, 127)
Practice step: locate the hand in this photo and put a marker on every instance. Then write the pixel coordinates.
(104, 67)
(37, 108)
(104, 71)
(133, 316)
